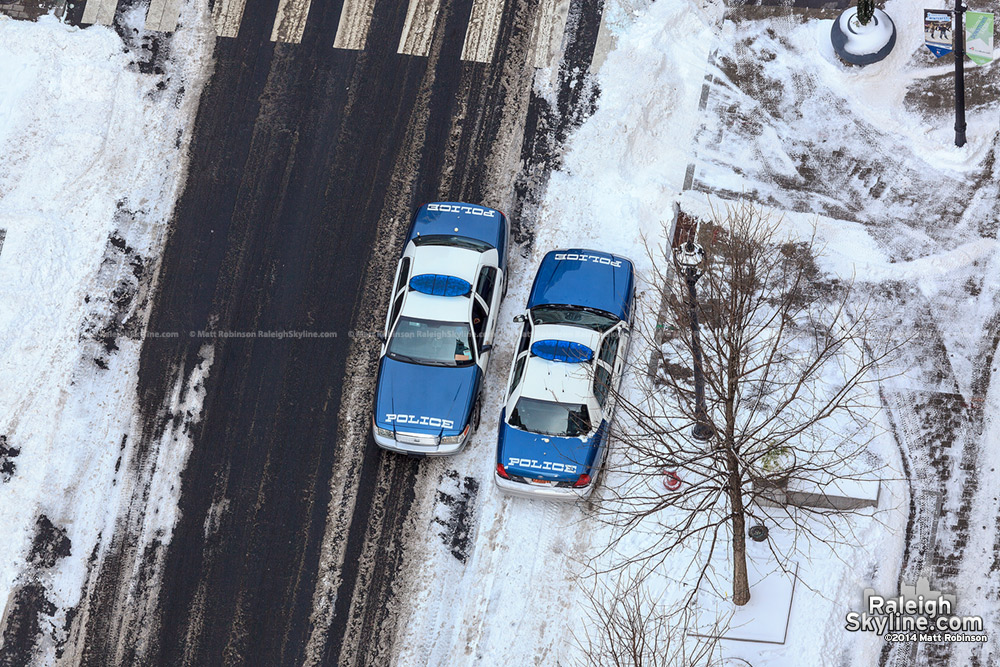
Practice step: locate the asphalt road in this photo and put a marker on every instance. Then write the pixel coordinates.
(307, 162)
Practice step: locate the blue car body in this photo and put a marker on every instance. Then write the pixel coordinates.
(425, 399)
(536, 456)
(477, 222)
(429, 400)
(557, 373)
(588, 278)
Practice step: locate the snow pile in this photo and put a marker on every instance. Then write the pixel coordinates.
(91, 161)
(863, 40)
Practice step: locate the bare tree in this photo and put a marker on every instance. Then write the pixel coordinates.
(630, 627)
(788, 360)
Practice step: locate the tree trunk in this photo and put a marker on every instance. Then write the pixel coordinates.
(741, 584)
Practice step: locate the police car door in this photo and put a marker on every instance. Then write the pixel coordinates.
(607, 371)
(520, 357)
(397, 296)
(485, 304)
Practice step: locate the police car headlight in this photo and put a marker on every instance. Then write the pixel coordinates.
(455, 439)
(382, 432)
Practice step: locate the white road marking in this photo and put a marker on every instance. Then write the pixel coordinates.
(162, 15)
(421, 15)
(550, 27)
(352, 31)
(290, 22)
(606, 40)
(226, 17)
(101, 12)
(484, 26)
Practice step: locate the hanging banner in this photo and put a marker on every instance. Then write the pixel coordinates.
(938, 35)
(979, 37)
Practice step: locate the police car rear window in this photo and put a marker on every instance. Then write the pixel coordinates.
(550, 418)
(576, 316)
(453, 240)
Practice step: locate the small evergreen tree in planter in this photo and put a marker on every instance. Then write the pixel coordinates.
(863, 34)
(865, 11)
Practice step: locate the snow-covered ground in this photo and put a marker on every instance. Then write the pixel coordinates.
(91, 162)
(898, 208)
(92, 154)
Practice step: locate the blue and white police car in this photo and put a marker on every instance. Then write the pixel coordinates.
(439, 330)
(554, 426)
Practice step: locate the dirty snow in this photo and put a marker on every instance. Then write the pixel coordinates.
(92, 158)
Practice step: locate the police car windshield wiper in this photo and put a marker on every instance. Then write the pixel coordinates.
(402, 357)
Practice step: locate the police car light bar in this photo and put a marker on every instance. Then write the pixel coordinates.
(562, 350)
(438, 285)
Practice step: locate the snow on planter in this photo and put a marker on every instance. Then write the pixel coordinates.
(860, 44)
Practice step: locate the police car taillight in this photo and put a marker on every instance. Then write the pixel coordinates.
(584, 480)
(502, 472)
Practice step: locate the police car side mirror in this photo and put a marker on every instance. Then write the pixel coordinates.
(485, 348)
(381, 336)
(520, 318)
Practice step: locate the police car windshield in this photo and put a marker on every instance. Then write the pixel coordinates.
(431, 343)
(453, 240)
(550, 418)
(576, 316)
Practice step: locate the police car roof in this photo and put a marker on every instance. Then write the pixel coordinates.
(559, 380)
(446, 260)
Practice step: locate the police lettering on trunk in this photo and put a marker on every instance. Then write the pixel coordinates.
(542, 465)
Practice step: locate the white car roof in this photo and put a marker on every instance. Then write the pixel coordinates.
(447, 260)
(555, 380)
(437, 308)
(442, 260)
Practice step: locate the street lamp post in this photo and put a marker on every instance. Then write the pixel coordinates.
(689, 257)
(959, 32)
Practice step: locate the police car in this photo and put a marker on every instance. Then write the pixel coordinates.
(554, 427)
(439, 329)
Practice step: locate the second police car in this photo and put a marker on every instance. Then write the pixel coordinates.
(553, 431)
(439, 329)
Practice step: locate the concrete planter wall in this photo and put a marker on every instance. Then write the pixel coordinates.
(863, 44)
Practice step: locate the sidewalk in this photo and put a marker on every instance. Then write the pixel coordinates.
(30, 10)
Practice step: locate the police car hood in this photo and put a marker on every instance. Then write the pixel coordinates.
(588, 278)
(433, 400)
(537, 456)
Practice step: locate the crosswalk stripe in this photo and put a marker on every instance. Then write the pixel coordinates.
(101, 12)
(355, 22)
(550, 25)
(226, 17)
(484, 26)
(162, 15)
(418, 31)
(290, 22)
(352, 31)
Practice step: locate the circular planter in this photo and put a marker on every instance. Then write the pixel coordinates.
(863, 44)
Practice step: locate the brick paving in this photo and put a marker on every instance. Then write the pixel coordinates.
(30, 10)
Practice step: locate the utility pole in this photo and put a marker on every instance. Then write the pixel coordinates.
(689, 257)
(959, 73)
